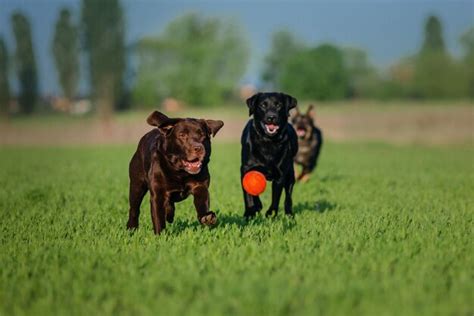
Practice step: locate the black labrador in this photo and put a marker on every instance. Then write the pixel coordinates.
(269, 145)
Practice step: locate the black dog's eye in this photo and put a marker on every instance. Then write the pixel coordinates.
(264, 105)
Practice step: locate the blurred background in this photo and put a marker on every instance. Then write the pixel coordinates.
(89, 71)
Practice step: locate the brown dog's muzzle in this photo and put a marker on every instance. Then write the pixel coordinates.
(194, 158)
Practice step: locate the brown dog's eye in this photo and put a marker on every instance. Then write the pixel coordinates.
(181, 135)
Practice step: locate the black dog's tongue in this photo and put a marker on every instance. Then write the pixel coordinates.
(271, 128)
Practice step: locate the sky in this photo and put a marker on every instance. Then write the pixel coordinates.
(386, 29)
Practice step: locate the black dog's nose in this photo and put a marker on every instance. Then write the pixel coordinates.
(271, 118)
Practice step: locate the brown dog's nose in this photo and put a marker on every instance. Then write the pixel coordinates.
(198, 148)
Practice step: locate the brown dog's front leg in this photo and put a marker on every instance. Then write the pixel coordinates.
(157, 211)
(201, 202)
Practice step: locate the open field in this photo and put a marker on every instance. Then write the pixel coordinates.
(380, 229)
(393, 122)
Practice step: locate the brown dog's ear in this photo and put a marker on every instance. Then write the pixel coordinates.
(252, 102)
(310, 111)
(156, 118)
(214, 126)
(290, 102)
(168, 125)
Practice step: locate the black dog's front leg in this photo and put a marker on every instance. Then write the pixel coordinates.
(201, 203)
(289, 183)
(277, 188)
(252, 205)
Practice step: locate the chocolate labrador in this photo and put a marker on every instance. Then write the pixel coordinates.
(269, 145)
(171, 162)
(310, 140)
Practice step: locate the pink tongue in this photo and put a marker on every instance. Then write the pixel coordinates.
(271, 126)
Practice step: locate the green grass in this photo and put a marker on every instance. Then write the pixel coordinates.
(378, 230)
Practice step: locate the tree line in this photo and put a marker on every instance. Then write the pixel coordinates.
(200, 60)
(100, 35)
(329, 72)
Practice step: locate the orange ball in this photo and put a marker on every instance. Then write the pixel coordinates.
(254, 183)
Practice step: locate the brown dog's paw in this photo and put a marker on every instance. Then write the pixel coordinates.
(132, 224)
(209, 219)
(170, 218)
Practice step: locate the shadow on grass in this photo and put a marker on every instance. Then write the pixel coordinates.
(180, 225)
(331, 178)
(320, 206)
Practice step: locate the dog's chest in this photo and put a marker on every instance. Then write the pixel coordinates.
(270, 152)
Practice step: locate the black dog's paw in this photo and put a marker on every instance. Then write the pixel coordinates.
(271, 213)
(209, 219)
(249, 214)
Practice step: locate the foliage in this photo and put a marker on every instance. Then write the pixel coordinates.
(437, 75)
(196, 60)
(433, 41)
(284, 46)
(4, 83)
(316, 73)
(467, 41)
(103, 27)
(66, 53)
(362, 76)
(431, 74)
(370, 236)
(25, 63)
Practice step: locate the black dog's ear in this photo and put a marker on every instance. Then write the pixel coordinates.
(214, 126)
(156, 118)
(252, 102)
(310, 111)
(290, 102)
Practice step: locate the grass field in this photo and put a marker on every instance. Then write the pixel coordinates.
(379, 230)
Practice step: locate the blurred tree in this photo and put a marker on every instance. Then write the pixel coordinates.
(399, 82)
(103, 28)
(196, 60)
(65, 51)
(317, 73)
(433, 41)
(362, 77)
(436, 74)
(467, 41)
(284, 46)
(25, 63)
(4, 83)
